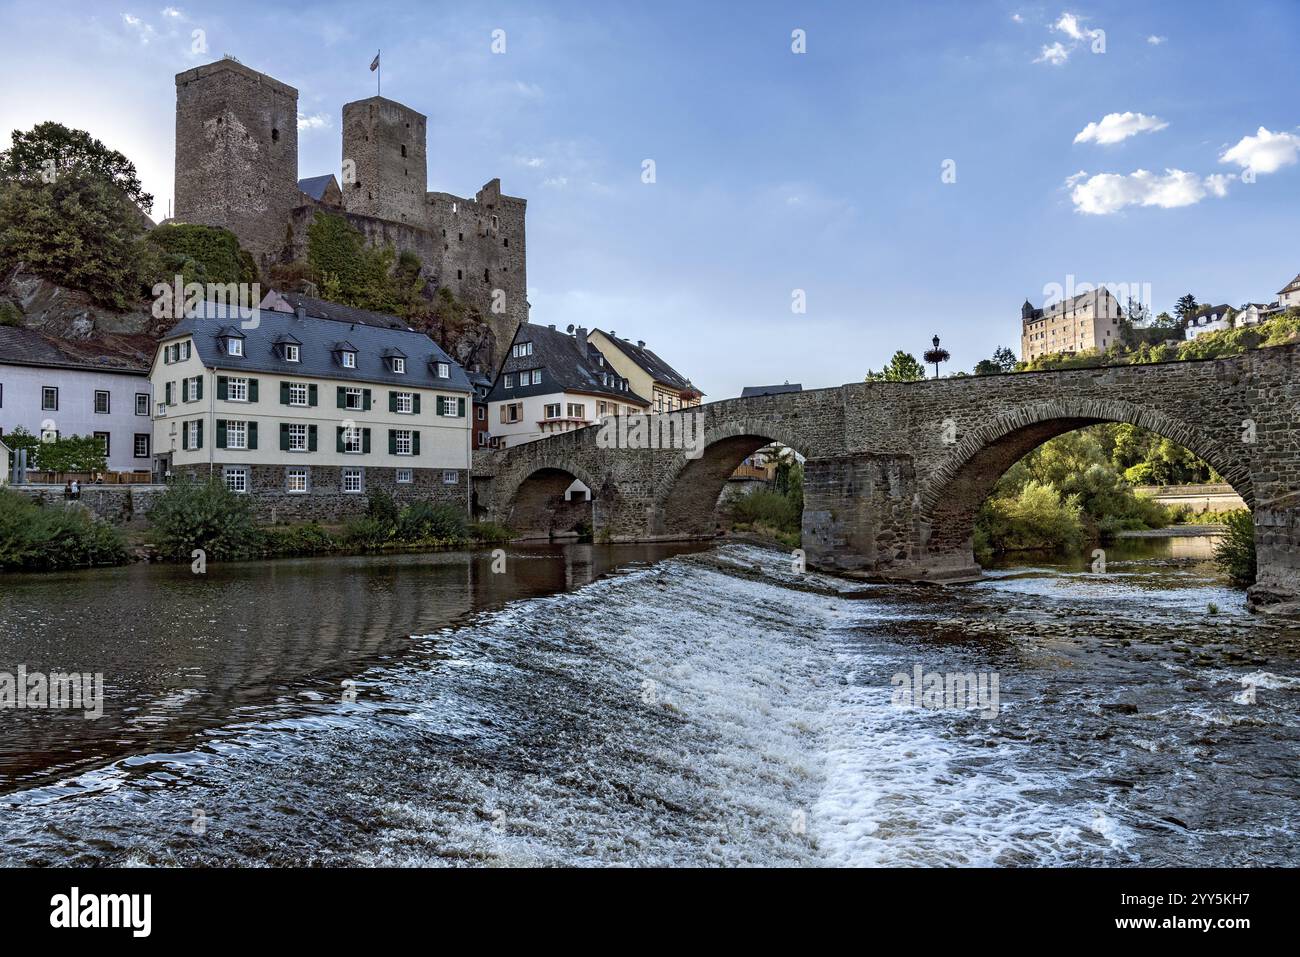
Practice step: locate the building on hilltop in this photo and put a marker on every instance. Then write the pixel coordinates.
(1208, 319)
(1089, 320)
(553, 382)
(237, 167)
(1288, 297)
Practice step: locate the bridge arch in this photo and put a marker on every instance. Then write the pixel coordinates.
(534, 506)
(686, 497)
(955, 489)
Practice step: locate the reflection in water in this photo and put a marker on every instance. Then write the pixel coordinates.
(180, 652)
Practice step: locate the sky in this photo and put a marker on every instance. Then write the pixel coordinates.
(900, 170)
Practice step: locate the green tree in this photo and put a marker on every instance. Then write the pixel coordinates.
(202, 254)
(1004, 360)
(903, 367)
(1185, 307)
(52, 150)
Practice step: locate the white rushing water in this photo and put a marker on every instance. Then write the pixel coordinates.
(704, 712)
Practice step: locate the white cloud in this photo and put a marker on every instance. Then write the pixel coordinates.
(556, 182)
(1070, 25)
(1155, 41)
(142, 29)
(172, 12)
(1055, 55)
(1017, 18)
(1264, 152)
(532, 162)
(1108, 193)
(1117, 127)
(317, 121)
(1217, 183)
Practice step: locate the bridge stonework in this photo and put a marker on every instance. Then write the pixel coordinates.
(895, 472)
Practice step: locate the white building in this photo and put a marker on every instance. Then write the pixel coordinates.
(1288, 296)
(1208, 319)
(294, 409)
(553, 382)
(54, 388)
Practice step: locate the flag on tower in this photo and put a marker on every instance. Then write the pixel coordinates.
(374, 64)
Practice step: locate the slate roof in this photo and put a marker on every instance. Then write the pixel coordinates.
(1030, 314)
(750, 391)
(650, 363)
(323, 309)
(320, 338)
(314, 186)
(1292, 286)
(568, 364)
(27, 347)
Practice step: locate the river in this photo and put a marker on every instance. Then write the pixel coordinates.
(638, 705)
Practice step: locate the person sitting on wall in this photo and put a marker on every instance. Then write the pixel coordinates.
(67, 489)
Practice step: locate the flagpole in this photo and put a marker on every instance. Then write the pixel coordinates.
(379, 74)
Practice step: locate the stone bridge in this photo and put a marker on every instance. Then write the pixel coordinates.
(895, 472)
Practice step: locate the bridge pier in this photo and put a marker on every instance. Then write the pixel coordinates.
(1277, 557)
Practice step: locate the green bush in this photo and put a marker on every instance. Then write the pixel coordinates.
(367, 533)
(209, 516)
(423, 521)
(763, 507)
(310, 539)
(202, 254)
(490, 532)
(1038, 519)
(1235, 551)
(44, 538)
(381, 507)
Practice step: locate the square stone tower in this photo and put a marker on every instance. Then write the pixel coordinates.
(384, 168)
(237, 153)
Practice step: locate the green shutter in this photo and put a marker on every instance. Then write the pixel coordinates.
(221, 433)
(284, 436)
(338, 438)
(416, 403)
(223, 387)
(198, 387)
(392, 401)
(311, 438)
(415, 443)
(167, 389)
(342, 398)
(311, 394)
(252, 435)
(365, 441)
(392, 441)
(252, 390)
(284, 393)
(200, 437)
(460, 407)
(185, 435)
(365, 400)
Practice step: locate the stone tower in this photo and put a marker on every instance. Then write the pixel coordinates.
(384, 169)
(237, 153)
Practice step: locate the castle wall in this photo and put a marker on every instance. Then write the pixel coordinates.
(237, 153)
(384, 166)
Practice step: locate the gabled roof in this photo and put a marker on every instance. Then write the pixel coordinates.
(1292, 286)
(319, 339)
(750, 391)
(651, 364)
(568, 364)
(323, 309)
(315, 186)
(27, 347)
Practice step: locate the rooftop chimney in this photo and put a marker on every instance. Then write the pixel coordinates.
(580, 333)
(300, 313)
(551, 327)
(640, 343)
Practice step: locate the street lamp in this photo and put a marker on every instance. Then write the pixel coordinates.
(936, 355)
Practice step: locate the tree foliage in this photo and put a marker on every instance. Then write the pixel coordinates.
(53, 151)
(43, 538)
(903, 367)
(202, 254)
(1235, 551)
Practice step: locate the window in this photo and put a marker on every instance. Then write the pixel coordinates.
(234, 346)
(450, 477)
(236, 478)
(521, 349)
(49, 399)
(352, 399)
(297, 393)
(444, 370)
(49, 435)
(183, 351)
(103, 438)
(404, 402)
(537, 377)
(481, 412)
(192, 389)
(402, 441)
(237, 389)
(101, 402)
(290, 353)
(510, 381)
(403, 477)
(297, 437)
(349, 359)
(142, 403)
(194, 434)
(295, 482)
(352, 481)
(552, 411)
(512, 412)
(141, 445)
(577, 410)
(236, 435)
(352, 441)
(451, 406)
(399, 366)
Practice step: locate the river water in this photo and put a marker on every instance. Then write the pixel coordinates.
(596, 705)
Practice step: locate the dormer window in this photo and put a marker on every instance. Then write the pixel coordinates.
(291, 352)
(444, 370)
(231, 342)
(348, 359)
(509, 381)
(399, 365)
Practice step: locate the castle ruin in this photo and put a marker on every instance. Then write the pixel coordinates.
(237, 167)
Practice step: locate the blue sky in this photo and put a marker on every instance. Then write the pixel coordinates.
(775, 171)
